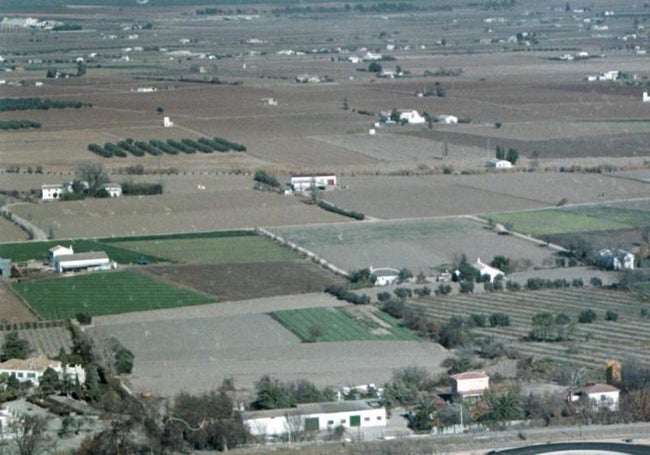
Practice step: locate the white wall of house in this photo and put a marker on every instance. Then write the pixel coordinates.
(304, 182)
(81, 261)
(28, 370)
(604, 400)
(471, 383)
(51, 192)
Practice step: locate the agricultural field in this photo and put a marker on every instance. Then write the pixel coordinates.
(211, 250)
(203, 210)
(580, 218)
(247, 280)
(103, 293)
(342, 324)
(241, 341)
(43, 339)
(591, 344)
(12, 308)
(421, 244)
(391, 197)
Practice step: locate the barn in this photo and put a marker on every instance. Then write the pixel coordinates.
(92, 260)
(304, 182)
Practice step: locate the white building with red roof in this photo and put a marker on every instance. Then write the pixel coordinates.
(600, 396)
(33, 368)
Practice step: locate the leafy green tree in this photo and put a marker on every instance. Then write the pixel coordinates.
(422, 419)
(94, 174)
(454, 333)
(49, 383)
(587, 316)
(15, 347)
(543, 327)
(374, 67)
(404, 275)
(504, 406)
(512, 155)
(502, 263)
(91, 385)
(395, 116)
(271, 394)
(500, 154)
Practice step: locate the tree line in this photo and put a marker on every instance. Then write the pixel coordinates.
(22, 104)
(171, 146)
(18, 124)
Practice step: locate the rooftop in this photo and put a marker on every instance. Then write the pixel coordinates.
(32, 364)
(478, 374)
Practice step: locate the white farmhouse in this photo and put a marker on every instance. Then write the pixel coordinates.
(646, 98)
(485, 269)
(447, 119)
(316, 417)
(496, 163)
(384, 276)
(92, 260)
(600, 396)
(33, 368)
(616, 259)
(470, 383)
(113, 189)
(304, 182)
(411, 116)
(52, 192)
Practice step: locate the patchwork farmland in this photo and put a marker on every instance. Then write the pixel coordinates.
(591, 344)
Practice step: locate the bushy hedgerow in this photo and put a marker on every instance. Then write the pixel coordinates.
(349, 296)
(335, 209)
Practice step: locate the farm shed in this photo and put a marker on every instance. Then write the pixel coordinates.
(410, 116)
(58, 250)
(52, 192)
(96, 260)
(615, 259)
(600, 396)
(470, 383)
(316, 417)
(304, 182)
(499, 164)
(384, 276)
(485, 269)
(447, 119)
(33, 368)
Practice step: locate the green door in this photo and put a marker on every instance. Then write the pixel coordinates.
(312, 424)
(355, 421)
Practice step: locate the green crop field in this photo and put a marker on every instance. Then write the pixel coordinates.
(618, 213)
(554, 221)
(103, 293)
(378, 232)
(217, 250)
(590, 345)
(340, 324)
(24, 251)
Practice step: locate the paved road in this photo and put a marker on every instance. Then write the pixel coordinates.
(581, 448)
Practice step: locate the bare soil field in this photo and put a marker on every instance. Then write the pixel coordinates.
(417, 244)
(435, 195)
(12, 308)
(167, 213)
(9, 232)
(239, 340)
(248, 281)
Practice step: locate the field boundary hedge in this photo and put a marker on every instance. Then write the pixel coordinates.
(326, 205)
(185, 235)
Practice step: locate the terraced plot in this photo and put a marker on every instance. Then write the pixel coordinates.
(592, 344)
(44, 340)
(103, 293)
(341, 324)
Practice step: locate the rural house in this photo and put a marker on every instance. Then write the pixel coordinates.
(33, 368)
(92, 260)
(447, 119)
(384, 276)
(304, 182)
(316, 417)
(113, 189)
(470, 383)
(600, 396)
(52, 192)
(485, 269)
(410, 116)
(616, 259)
(496, 163)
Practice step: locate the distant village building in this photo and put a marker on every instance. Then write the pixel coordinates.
(485, 269)
(470, 383)
(616, 259)
(113, 189)
(32, 369)
(167, 123)
(316, 417)
(646, 97)
(496, 163)
(308, 79)
(304, 182)
(410, 116)
(58, 250)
